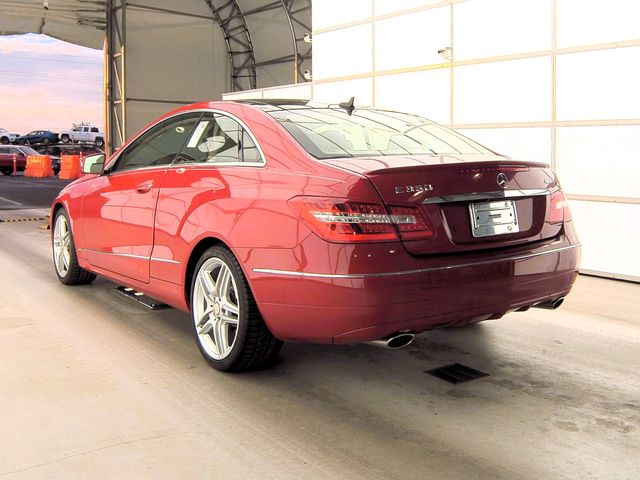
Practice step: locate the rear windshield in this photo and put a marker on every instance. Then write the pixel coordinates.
(29, 151)
(333, 133)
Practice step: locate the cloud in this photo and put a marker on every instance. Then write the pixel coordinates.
(48, 84)
(43, 45)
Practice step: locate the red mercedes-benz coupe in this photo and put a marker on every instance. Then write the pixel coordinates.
(290, 220)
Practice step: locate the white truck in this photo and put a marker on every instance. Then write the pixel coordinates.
(83, 133)
(7, 137)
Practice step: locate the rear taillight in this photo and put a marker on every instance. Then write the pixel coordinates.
(417, 228)
(341, 220)
(559, 208)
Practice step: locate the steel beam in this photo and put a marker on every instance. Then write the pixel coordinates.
(115, 69)
(298, 14)
(242, 59)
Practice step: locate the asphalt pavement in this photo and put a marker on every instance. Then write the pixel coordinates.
(22, 192)
(93, 385)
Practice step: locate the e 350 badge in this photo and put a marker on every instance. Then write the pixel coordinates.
(426, 187)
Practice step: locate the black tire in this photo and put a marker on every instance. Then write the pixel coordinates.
(6, 171)
(254, 346)
(64, 139)
(4, 141)
(99, 142)
(45, 141)
(21, 142)
(74, 275)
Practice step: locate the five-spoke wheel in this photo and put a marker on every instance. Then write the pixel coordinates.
(229, 330)
(65, 259)
(62, 246)
(215, 308)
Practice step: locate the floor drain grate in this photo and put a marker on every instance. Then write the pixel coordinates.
(456, 373)
(140, 297)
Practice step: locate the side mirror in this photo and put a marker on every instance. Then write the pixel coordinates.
(93, 164)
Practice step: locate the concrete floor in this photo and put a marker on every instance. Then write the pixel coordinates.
(95, 386)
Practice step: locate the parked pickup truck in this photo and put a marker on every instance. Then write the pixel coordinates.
(83, 134)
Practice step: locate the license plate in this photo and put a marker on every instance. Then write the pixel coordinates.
(493, 218)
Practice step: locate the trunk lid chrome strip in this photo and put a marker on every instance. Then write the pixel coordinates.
(500, 194)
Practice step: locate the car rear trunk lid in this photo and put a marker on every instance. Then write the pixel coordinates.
(472, 202)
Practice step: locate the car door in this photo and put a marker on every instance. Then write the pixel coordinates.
(118, 208)
(84, 134)
(76, 134)
(220, 157)
(5, 158)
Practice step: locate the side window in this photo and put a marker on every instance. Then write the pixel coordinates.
(94, 129)
(159, 145)
(219, 139)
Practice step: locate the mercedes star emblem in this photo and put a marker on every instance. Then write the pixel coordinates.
(502, 180)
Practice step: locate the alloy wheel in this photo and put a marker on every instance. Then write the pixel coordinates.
(62, 245)
(216, 309)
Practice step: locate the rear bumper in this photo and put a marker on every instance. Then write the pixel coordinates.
(344, 307)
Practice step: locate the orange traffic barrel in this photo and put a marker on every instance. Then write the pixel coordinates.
(70, 167)
(38, 166)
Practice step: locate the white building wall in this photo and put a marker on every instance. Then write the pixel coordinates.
(549, 80)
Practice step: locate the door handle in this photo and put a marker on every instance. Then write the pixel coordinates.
(144, 187)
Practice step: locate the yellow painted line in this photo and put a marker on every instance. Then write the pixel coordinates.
(12, 220)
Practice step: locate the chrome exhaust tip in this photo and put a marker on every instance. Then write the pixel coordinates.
(551, 304)
(394, 341)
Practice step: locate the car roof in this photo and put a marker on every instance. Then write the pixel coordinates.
(283, 103)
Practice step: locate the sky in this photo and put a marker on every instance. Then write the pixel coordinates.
(48, 84)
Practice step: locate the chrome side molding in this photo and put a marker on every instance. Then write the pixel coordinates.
(130, 255)
(479, 196)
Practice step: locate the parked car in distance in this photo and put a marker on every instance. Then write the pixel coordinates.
(84, 133)
(285, 220)
(68, 149)
(44, 137)
(7, 153)
(7, 137)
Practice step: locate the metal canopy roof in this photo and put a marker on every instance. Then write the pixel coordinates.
(257, 33)
(82, 22)
(162, 52)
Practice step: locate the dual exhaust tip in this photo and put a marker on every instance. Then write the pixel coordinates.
(402, 339)
(394, 341)
(551, 304)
